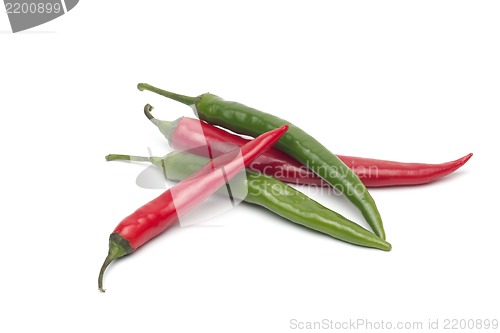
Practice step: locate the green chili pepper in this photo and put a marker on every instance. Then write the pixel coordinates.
(297, 143)
(272, 194)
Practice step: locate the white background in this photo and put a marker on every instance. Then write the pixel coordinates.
(402, 80)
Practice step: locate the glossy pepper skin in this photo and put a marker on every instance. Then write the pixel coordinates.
(304, 148)
(157, 215)
(274, 195)
(195, 135)
(382, 173)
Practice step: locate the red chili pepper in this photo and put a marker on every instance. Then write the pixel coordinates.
(156, 216)
(194, 135)
(379, 173)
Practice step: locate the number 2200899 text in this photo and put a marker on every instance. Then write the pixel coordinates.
(32, 8)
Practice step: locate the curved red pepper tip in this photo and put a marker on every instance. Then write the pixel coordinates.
(284, 128)
(464, 159)
(460, 162)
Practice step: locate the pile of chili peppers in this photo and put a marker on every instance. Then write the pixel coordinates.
(207, 157)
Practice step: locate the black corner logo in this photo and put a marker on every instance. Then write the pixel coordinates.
(26, 14)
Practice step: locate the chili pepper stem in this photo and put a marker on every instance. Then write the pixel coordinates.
(155, 160)
(147, 111)
(120, 157)
(165, 127)
(118, 247)
(187, 100)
